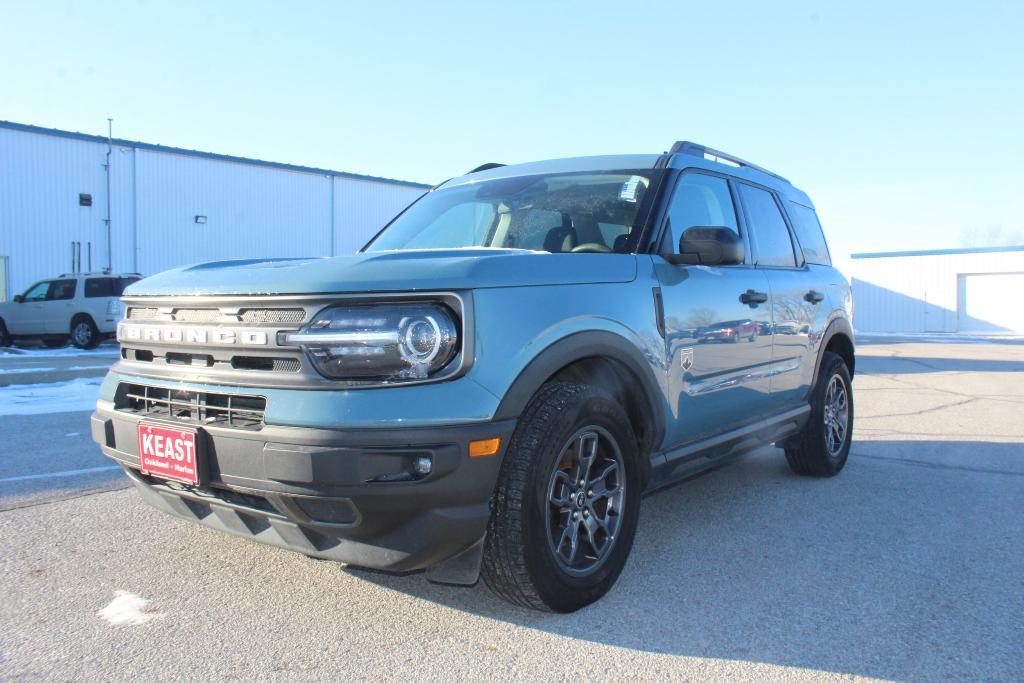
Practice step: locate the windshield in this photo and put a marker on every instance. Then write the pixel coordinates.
(569, 212)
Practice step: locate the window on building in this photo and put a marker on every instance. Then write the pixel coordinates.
(769, 235)
(700, 200)
(808, 231)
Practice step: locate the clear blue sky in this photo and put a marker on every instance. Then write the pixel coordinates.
(902, 120)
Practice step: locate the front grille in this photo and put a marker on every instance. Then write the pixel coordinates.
(142, 313)
(196, 315)
(267, 316)
(249, 316)
(193, 407)
(266, 364)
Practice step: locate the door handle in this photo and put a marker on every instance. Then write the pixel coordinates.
(752, 297)
(814, 297)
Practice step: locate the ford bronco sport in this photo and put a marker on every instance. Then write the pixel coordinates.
(490, 385)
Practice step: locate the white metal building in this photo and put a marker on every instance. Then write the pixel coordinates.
(170, 206)
(944, 290)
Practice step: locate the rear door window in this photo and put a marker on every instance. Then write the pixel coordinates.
(769, 235)
(809, 232)
(62, 290)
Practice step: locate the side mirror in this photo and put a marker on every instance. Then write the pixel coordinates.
(19, 298)
(708, 246)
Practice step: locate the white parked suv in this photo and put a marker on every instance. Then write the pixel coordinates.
(84, 307)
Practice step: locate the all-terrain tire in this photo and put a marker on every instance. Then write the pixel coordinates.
(519, 561)
(811, 454)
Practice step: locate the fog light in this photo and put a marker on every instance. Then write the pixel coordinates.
(422, 465)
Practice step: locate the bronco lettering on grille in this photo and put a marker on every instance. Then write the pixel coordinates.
(216, 336)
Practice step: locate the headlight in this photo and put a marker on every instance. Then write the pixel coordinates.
(390, 342)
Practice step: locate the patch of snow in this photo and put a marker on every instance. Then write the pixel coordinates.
(128, 609)
(59, 397)
(67, 351)
(37, 368)
(73, 434)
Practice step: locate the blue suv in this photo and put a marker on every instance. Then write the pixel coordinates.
(491, 384)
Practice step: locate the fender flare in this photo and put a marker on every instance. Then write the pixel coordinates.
(580, 346)
(838, 325)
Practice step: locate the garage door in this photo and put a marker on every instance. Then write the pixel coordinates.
(991, 303)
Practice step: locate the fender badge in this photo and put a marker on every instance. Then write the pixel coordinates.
(686, 357)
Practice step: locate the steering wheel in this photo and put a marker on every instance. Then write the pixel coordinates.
(590, 248)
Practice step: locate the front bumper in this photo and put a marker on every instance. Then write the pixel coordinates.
(308, 489)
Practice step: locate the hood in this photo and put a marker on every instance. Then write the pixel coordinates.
(389, 271)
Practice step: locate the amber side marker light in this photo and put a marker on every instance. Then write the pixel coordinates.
(484, 448)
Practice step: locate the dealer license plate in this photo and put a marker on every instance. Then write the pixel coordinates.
(168, 453)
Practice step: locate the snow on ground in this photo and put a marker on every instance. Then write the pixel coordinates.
(20, 371)
(59, 397)
(127, 609)
(35, 368)
(67, 351)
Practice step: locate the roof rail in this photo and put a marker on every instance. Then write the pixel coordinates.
(697, 150)
(486, 167)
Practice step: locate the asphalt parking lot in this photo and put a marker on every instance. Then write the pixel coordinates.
(909, 565)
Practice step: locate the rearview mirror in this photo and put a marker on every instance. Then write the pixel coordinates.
(19, 298)
(708, 246)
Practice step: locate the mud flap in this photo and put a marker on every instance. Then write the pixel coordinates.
(462, 569)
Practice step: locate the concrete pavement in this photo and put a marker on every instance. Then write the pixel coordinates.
(909, 565)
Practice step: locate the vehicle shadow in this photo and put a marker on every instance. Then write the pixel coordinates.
(863, 574)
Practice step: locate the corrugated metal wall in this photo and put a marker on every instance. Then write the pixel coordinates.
(251, 210)
(360, 210)
(40, 180)
(912, 294)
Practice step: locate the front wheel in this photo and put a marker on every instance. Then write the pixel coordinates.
(5, 336)
(824, 446)
(565, 508)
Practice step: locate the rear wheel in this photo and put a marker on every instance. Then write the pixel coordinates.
(565, 508)
(84, 334)
(824, 446)
(5, 336)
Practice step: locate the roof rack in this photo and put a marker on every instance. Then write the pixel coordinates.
(697, 150)
(486, 167)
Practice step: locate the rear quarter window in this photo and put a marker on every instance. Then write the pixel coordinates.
(808, 231)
